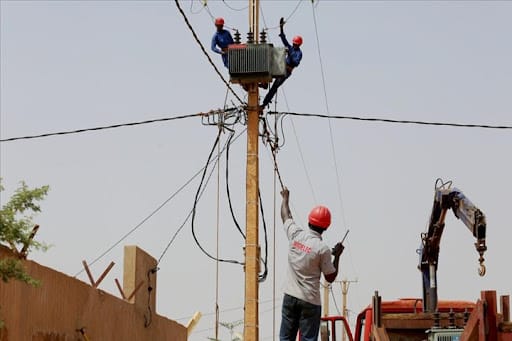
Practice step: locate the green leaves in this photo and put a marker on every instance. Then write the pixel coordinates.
(16, 217)
(15, 230)
(13, 268)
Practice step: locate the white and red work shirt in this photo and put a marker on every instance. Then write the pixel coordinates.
(308, 258)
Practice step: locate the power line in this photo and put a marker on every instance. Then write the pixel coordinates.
(299, 2)
(388, 120)
(224, 310)
(194, 209)
(225, 148)
(113, 126)
(204, 50)
(136, 227)
(233, 8)
(331, 135)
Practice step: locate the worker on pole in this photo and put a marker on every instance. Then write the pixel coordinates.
(293, 58)
(222, 38)
(308, 257)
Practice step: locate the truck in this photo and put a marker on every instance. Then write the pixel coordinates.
(427, 318)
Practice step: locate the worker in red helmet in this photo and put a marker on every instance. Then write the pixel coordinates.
(308, 258)
(293, 58)
(221, 40)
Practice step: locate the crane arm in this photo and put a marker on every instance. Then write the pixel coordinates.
(471, 216)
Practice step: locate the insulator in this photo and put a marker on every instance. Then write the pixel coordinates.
(263, 37)
(451, 319)
(237, 37)
(437, 319)
(466, 316)
(250, 38)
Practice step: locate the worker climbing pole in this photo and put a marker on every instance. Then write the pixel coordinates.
(293, 58)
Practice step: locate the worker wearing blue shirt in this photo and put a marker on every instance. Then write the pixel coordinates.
(293, 58)
(222, 38)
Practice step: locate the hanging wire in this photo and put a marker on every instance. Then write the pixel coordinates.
(263, 276)
(208, 10)
(228, 191)
(142, 222)
(191, 211)
(198, 11)
(217, 244)
(299, 2)
(274, 243)
(196, 200)
(234, 9)
(113, 126)
(331, 134)
(204, 50)
(308, 177)
(334, 300)
(394, 121)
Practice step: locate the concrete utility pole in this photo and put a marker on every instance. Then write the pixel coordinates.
(344, 291)
(252, 249)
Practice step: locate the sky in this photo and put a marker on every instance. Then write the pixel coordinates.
(69, 65)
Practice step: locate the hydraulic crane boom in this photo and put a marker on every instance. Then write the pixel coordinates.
(447, 198)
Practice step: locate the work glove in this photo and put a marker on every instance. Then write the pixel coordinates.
(337, 250)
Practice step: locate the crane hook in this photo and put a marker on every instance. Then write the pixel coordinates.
(481, 270)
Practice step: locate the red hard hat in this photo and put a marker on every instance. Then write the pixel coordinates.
(219, 21)
(297, 40)
(320, 216)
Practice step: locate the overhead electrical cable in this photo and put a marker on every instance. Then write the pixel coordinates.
(228, 193)
(299, 2)
(388, 120)
(262, 276)
(301, 154)
(334, 300)
(203, 5)
(204, 51)
(223, 310)
(113, 126)
(136, 227)
(234, 9)
(356, 118)
(331, 134)
(202, 191)
(217, 235)
(194, 210)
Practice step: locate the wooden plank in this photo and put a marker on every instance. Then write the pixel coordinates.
(86, 267)
(505, 307)
(120, 289)
(472, 328)
(102, 277)
(491, 320)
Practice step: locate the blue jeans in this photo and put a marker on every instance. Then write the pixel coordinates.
(270, 94)
(297, 314)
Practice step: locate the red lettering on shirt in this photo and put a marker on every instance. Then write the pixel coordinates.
(299, 246)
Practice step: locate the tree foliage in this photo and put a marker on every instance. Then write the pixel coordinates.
(15, 229)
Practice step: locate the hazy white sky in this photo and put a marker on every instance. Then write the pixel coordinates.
(76, 64)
